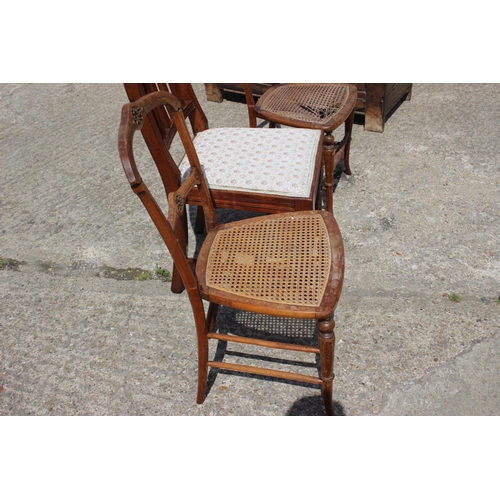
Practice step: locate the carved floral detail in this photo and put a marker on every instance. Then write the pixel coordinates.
(137, 114)
(179, 203)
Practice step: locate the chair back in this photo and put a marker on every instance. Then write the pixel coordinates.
(159, 130)
(134, 118)
(250, 105)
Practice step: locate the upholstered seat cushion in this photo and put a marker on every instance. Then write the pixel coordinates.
(277, 161)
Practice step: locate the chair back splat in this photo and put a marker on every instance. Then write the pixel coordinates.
(288, 265)
(158, 129)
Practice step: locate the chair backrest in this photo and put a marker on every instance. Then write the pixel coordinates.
(159, 130)
(250, 105)
(134, 117)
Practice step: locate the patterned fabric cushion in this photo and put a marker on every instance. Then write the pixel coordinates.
(274, 161)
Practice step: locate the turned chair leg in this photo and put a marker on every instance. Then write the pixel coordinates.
(327, 352)
(328, 154)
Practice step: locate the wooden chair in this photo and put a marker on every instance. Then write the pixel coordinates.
(289, 265)
(257, 170)
(318, 106)
(272, 172)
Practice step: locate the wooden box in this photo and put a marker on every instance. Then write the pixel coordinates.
(377, 102)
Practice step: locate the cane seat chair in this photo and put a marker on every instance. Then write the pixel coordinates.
(256, 170)
(318, 106)
(288, 265)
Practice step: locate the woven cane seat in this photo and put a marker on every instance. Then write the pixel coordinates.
(320, 105)
(283, 259)
(269, 161)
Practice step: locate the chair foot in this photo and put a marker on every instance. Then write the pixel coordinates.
(201, 393)
(177, 285)
(327, 393)
(202, 382)
(347, 168)
(348, 132)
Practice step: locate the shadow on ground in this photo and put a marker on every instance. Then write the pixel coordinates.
(313, 406)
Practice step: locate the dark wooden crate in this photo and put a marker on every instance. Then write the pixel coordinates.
(376, 101)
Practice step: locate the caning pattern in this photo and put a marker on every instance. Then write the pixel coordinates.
(284, 259)
(315, 103)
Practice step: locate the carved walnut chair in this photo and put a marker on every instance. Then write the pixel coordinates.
(318, 106)
(257, 170)
(288, 265)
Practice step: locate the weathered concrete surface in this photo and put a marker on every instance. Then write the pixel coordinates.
(420, 218)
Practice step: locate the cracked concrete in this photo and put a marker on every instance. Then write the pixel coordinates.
(420, 217)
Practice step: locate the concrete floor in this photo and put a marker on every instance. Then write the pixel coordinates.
(420, 217)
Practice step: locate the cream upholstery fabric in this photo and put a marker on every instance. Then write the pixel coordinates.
(274, 161)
